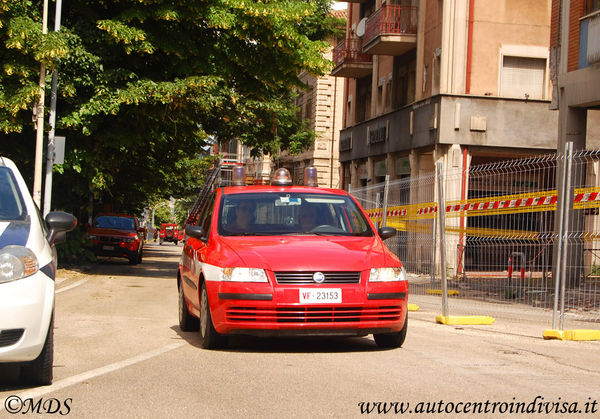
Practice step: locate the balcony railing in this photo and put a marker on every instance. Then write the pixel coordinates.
(350, 51)
(391, 20)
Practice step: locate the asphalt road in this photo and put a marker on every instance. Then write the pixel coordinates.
(119, 353)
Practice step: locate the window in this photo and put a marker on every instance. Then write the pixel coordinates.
(523, 77)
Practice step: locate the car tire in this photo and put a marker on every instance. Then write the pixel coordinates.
(392, 340)
(175, 242)
(39, 371)
(139, 260)
(209, 337)
(187, 322)
(133, 260)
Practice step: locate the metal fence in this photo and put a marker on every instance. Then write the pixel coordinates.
(519, 236)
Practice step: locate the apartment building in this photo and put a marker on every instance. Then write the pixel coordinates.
(322, 103)
(458, 81)
(575, 61)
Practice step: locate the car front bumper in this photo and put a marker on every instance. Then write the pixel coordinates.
(26, 307)
(266, 310)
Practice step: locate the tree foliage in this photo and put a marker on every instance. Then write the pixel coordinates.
(146, 85)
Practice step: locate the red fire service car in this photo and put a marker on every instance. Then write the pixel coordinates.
(276, 260)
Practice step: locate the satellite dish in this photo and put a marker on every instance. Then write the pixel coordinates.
(360, 29)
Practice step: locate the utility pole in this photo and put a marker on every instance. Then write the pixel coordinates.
(39, 138)
(52, 120)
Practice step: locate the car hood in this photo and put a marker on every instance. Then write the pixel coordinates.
(110, 232)
(297, 253)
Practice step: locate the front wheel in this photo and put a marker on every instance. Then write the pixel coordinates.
(210, 338)
(39, 371)
(392, 340)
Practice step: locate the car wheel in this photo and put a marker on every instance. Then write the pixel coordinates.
(175, 242)
(187, 322)
(39, 371)
(160, 241)
(133, 260)
(392, 340)
(210, 338)
(139, 260)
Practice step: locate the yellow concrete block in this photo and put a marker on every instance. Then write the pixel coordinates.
(576, 334)
(413, 307)
(465, 320)
(439, 292)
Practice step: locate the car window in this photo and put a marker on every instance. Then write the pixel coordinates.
(114, 222)
(12, 206)
(284, 213)
(206, 214)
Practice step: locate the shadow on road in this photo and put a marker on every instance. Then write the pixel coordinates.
(157, 262)
(305, 344)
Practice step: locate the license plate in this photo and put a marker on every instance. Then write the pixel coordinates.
(320, 296)
(108, 247)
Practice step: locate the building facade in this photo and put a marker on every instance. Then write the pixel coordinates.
(455, 81)
(575, 63)
(322, 103)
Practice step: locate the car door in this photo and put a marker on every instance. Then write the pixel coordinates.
(193, 248)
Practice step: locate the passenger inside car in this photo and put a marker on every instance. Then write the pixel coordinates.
(242, 217)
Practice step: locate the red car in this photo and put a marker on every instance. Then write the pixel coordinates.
(289, 260)
(117, 235)
(168, 233)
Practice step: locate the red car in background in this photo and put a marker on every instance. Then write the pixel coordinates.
(117, 235)
(169, 233)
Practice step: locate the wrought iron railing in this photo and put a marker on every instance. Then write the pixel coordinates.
(391, 20)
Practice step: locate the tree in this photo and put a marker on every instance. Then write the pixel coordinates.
(144, 83)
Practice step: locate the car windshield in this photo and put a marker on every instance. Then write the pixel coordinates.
(283, 213)
(114, 222)
(12, 206)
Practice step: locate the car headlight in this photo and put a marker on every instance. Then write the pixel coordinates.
(243, 275)
(129, 239)
(17, 262)
(387, 275)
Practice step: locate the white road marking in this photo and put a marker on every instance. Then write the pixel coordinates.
(88, 375)
(73, 285)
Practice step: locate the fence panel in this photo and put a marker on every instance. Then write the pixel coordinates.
(500, 238)
(582, 246)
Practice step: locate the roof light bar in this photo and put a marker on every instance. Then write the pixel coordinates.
(310, 176)
(281, 177)
(238, 176)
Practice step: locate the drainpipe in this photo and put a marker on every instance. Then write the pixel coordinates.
(469, 46)
(332, 133)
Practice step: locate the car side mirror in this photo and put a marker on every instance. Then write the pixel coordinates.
(59, 223)
(196, 232)
(386, 232)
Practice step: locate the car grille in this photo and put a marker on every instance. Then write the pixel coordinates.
(10, 336)
(307, 277)
(111, 240)
(300, 315)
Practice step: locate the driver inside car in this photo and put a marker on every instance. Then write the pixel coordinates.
(307, 217)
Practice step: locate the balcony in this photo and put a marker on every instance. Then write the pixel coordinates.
(350, 61)
(391, 30)
(355, 1)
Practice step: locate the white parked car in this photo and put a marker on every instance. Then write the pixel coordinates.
(27, 274)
